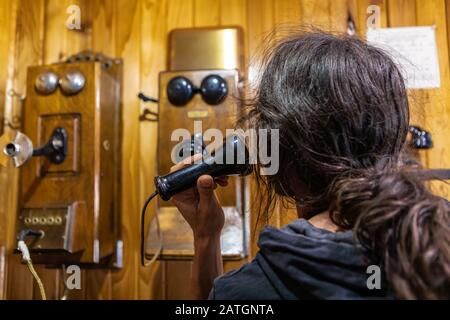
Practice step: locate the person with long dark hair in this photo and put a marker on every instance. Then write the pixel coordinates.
(342, 111)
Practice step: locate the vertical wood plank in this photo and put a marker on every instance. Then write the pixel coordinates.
(77, 40)
(55, 19)
(127, 46)
(401, 13)
(59, 41)
(178, 280)
(429, 13)
(339, 11)
(27, 50)
(180, 14)
(20, 280)
(7, 32)
(98, 284)
(206, 13)
(97, 34)
(153, 60)
(362, 16)
(233, 12)
(287, 12)
(260, 22)
(316, 13)
(101, 15)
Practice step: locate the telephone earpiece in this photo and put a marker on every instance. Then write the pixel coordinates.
(214, 89)
(180, 91)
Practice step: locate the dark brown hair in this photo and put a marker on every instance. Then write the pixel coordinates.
(342, 112)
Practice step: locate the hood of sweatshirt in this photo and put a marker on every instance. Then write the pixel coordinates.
(302, 261)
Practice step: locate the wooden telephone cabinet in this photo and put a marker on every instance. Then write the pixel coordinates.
(76, 202)
(196, 54)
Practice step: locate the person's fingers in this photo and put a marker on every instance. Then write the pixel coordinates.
(175, 201)
(186, 162)
(205, 187)
(222, 183)
(223, 178)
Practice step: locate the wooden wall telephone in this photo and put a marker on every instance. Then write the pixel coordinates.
(69, 154)
(202, 85)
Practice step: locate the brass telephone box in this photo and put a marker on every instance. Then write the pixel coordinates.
(69, 153)
(203, 62)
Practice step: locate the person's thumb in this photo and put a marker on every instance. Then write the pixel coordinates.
(205, 186)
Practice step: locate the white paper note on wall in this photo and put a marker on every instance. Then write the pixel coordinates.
(416, 52)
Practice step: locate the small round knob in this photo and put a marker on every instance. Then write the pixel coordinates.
(180, 91)
(214, 89)
(72, 82)
(46, 82)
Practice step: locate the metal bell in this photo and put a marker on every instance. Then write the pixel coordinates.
(46, 82)
(72, 82)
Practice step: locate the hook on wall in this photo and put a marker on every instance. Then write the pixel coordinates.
(148, 115)
(15, 121)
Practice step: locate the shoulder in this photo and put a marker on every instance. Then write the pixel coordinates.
(246, 283)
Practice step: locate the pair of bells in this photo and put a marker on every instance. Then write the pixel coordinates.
(213, 89)
(71, 83)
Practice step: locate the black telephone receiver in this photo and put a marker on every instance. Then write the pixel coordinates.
(231, 158)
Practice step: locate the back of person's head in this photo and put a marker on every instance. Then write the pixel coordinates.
(342, 111)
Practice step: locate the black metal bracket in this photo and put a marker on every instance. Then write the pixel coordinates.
(146, 98)
(56, 148)
(148, 115)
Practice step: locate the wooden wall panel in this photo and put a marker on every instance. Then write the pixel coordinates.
(181, 14)
(359, 11)
(287, 12)
(233, 12)
(98, 34)
(136, 30)
(27, 46)
(128, 37)
(339, 13)
(153, 60)
(437, 108)
(7, 32)
(316, 13)
(206, 13)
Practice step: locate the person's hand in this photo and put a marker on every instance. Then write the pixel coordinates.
(199, 205)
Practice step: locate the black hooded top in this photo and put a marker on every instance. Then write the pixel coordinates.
(300, 261)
